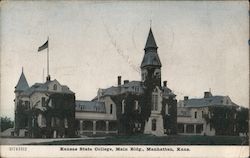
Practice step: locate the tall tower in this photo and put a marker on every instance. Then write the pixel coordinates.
(151, 64)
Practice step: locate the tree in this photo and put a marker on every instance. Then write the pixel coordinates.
(6, 123)
(242, 120)
(222, 119)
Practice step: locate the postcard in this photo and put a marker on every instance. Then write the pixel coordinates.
(124, 79)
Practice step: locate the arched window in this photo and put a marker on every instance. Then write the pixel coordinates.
(153, 124)
(55, 87)
(154, 102)
(166, 109)
(123, 106)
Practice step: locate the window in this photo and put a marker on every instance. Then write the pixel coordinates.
(123, 106)
(139, 109)
(52, 122)
(55, 87)
(154, 102)
(43, 101)
(153, 124)
(111, 108)
(137, 89)
(180, 128)
(43, 121)
(202, 114)
(136, 105)
(65, 123)
(26, 134)
(27, 104)
(166, 109)
(190, 128)
(144, 75)
(199, 128)
(195, 114)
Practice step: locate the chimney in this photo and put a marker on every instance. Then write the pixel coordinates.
(207, 94)
(48, 78)
(119, 80)
(165, 83)
(185, 98)
(126, 81)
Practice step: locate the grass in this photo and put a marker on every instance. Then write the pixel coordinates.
(153, 140)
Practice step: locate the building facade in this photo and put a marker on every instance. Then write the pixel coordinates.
(44, 109)
(210, 115)
(145, 106)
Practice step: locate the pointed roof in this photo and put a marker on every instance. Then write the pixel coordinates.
(151, 57)
(22, 83)
(150, 41)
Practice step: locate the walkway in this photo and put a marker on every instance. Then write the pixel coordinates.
(23, 141)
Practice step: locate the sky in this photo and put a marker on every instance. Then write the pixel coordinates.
(202, 45)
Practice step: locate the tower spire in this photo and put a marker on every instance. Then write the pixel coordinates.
(150, 41)
(22, 83)
(151, 57)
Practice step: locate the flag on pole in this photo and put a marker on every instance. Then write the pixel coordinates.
(44, 46)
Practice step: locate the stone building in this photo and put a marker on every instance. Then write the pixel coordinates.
(44, 109)
(200, 116)
(144, 106)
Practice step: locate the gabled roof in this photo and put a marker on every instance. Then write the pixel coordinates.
(150, 41)
(90, 106)
(22, 84)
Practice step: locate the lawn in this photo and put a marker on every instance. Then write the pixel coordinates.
(153, 140)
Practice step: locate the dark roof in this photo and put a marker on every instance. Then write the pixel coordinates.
(22, 84)
(90, 106)
(43, 87)
(132, 87)
(150, 41)
(151, 57)
(209, 101)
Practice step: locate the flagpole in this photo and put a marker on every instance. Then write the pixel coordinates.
(48, 77)
(43, 74)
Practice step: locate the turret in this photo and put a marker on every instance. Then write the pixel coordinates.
(22, 83)
(151, 64)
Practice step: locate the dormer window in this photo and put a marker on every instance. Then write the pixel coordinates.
(55, 87)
